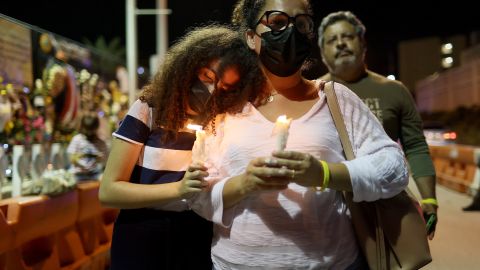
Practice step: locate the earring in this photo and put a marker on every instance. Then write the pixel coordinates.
(251, 43)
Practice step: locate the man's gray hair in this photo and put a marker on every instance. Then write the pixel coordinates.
(341, 16)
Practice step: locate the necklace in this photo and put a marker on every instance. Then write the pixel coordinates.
(271, 97)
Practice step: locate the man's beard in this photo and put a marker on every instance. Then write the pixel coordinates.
(345, 61)
(344, 64)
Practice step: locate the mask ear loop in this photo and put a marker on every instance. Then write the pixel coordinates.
(210, 108)
(213, 92)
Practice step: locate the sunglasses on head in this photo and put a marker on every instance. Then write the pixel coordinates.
(278, 21)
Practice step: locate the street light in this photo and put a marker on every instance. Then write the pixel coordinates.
(131, 29)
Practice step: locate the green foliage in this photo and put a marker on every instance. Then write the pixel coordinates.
(109, 54)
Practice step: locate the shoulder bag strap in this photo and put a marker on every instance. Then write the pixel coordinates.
(334, 107)
(332, 103)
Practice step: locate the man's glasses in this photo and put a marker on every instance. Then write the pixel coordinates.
(278, 22)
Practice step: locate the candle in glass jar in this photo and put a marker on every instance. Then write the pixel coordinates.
(282, 125)
(198, 151)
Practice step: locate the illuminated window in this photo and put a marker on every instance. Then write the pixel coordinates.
(447, 48)
(447, 62)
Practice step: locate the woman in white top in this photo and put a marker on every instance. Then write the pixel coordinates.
(267, 212)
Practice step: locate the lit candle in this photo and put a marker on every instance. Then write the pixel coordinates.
(198, 152)
(282, 125)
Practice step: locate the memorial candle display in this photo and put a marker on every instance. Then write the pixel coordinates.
(198, 152)
(282, 125)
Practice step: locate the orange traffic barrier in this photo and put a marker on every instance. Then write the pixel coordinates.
(36, 223)
(6, 234)
(109, 215)
(70, 231)
(95, 240)
(456, 166)
(70, 249)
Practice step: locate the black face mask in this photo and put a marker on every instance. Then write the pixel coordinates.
(283, 54)
(199, 97)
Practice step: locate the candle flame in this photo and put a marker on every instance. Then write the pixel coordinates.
(283, 119)
(194, 127)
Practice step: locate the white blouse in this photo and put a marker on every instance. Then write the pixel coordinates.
(296, 228)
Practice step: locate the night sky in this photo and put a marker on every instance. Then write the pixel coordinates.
(387, 22)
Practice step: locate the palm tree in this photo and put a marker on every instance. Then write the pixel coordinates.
(107, 56)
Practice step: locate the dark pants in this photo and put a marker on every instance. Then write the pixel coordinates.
(154, 239)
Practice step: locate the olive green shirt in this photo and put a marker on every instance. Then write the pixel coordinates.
(394, 107)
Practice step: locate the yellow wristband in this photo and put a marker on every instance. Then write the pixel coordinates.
(326, 175)
(430, 201)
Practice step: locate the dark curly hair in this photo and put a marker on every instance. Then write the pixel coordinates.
(169, 90)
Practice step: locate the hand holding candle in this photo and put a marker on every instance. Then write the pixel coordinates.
(282, 125)
(198, 153)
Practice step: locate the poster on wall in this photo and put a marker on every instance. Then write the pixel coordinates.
(15, 54)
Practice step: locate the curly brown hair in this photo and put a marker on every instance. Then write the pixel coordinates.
(169, 89)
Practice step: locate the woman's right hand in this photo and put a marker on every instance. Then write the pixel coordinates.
(261, 174)
(193, 180)
(264, 174)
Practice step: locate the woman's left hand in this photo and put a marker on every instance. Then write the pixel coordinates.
(193, 180)
(308, 170)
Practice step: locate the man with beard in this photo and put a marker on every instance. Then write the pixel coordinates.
(343, 48)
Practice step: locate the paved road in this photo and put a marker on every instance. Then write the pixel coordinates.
(457, 241)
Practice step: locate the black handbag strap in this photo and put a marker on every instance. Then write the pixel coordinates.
(334, 107)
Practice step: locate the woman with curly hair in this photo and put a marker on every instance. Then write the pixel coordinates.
(148, 174)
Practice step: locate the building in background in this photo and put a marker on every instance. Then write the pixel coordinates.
(444, 73)
(420, 58)
(456, 87)
(449, 90)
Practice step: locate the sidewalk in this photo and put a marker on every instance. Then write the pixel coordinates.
(457, 241)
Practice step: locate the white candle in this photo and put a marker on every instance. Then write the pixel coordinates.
(198, 151)
(282, 125)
